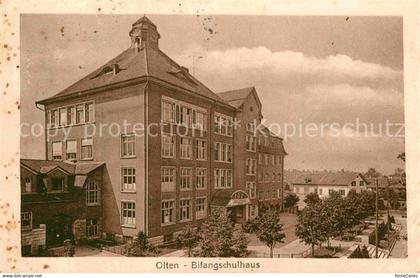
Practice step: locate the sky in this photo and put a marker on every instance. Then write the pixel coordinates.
(307, 70)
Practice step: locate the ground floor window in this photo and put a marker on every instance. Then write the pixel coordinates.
(128, 212)
(92, 227)
(167, 212)
(185, 210)
(200, 208)
(253, 211)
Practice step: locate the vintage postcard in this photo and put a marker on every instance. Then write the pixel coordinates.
(192, 136)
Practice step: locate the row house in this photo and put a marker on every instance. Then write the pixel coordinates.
(169, 145)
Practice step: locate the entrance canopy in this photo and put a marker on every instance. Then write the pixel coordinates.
(229, 198)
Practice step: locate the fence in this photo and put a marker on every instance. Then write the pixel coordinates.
(117, 249)
(303, 254)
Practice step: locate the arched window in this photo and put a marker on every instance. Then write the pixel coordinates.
(239, 195)
(92, 193)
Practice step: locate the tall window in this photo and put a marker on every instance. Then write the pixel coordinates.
(71, 115)
(87, 149)
(200, 120)
(186, 148)
(92, 227)
(222, 152)
(272, 160)
(200, 208)
(167, 179)
(57, 184)
(92, 193)
(251, 166)
(252, 190)
(250, 143)
(89, 113)
(71, 149)
(186, 116)
(201, 178)
(57, 150)
(266, 159)
(128, 179)
(250, 126)
(128, 213)
(168, 212)
(260, 159)
(63, 116)
(201, 149)
(185, 210)
(186, 178)
(128, 145)
(168, 112)
(26, 220)
(168, 145)
(223, 125)
(222, 178)
(80, 113)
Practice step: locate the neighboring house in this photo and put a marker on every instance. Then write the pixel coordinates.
(323, 183)
(59, 200)
(161, 182)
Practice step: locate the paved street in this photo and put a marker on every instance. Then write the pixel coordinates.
(400, 248)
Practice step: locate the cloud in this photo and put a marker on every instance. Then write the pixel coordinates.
(282, 63)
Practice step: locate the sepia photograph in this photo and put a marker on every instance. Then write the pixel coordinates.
(243, 136)
(207, 137)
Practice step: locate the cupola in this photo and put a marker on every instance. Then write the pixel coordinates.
(144, 33)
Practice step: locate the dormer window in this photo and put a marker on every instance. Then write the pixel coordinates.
(113, 69)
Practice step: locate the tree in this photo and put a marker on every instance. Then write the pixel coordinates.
(310, 226)
(269, 230)
(335, 215)
(290, 200)
(312, 198)
(372, 173)
(360, 253)
(188, 239)
(140, 247)
(391, 196)
(218, 238)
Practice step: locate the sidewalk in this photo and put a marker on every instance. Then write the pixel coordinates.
(400, 248)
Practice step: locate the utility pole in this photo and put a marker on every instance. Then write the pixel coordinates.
(376, 222)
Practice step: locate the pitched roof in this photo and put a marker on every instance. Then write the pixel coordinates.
(328, 178)
(236, 97)
(134, 64)
(45, 166)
